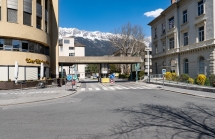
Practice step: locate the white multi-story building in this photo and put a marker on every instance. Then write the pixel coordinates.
(69, 47)
(183, 38)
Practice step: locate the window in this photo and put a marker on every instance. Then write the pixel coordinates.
(185, 39)
(61, 48)
(155, 32)
(201, 34)
(39, 2)
(171, 23)
(39, 20)
(71, 54)
(71, 48)
(171, 43)
(201, 65)
(156, 49)
(67, 41)
(164, 46)
(46, 50)
(163, 28)
(27, 18)
(1, 44)
(16, 45)
(41, 48)
(0, 12)
(156, 68)
(185, 16)
(200, 8)
(24, 46)
(186, 66)
(46, 4)
(31, 47)
(46, 26)
(12, 15)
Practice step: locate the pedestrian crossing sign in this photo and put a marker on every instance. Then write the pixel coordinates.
(69, 77)
(163, 71)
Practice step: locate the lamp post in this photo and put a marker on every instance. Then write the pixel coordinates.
(148, 49)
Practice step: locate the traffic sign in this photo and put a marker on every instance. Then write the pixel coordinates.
(69, 77)
(112, 76)
(111, 81)
(75, 77)
(163, 71)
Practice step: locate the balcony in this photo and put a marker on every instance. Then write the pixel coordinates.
(148, 56)
(172, 51)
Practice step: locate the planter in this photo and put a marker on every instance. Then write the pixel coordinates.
(6, 85)
(213, 84)
(49, 82)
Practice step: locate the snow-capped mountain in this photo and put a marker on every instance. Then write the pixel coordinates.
(96, 43)
(91, 35)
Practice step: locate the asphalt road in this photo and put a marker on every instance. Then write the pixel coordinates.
(121, 111)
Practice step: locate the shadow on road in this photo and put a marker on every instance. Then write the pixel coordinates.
(191, 121)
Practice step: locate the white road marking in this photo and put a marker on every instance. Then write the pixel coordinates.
(97, 89)
(105, 88)
(118, 88)
(83, 89)
(111, 88)
(90, 89)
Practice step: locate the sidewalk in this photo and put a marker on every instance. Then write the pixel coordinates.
(15, 97)
(179, 90)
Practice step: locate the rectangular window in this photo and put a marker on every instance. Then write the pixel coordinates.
(0, 12)
(12, 15)
(155, 32)
(46, 26)
(41, 49)
(27, 18)
(66, 41)
(185, 39)
(46, 4)
(24, 46)
(201, 34)
(171, 43)
(185, 16)
(71, 48)
(39, 2)
(31, 47)
(1, 44)
(16, 45)
(61, 49)
(163, 28)
(71, 54)
(46, 50)
(171, 23)
(200, 8)
(164, 46)
(39, 20)
(156, 49)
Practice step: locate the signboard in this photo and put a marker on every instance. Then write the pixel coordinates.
(137, 66)
(74, 77)
(112, 76)
(111, 81)
(163, 71)
(69, 77)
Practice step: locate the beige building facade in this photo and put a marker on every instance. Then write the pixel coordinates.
(183, 38)
(28, 35)
(69, 47)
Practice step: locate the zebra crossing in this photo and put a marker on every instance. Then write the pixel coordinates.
(24, 93)
(111, 88)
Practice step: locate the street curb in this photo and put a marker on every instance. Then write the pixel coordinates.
(40, 100)
(187, 93)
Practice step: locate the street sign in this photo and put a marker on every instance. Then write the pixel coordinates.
(74, 77)
(137, 66)
(112, 76)
(69, 77)
(111, 81)
(163, 71)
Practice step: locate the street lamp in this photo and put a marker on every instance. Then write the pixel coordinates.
(148, 49)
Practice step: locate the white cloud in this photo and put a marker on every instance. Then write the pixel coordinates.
(155, 13)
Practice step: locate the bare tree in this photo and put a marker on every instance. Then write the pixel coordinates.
(129, 41)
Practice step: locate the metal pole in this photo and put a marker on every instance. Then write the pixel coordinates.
(61, 70)
(148, 61)
(136, 73)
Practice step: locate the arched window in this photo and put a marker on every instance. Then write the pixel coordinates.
(186, 66)
(201, 65)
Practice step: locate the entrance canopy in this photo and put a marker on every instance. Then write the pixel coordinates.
(68, 60)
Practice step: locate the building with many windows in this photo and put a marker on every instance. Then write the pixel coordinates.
(183, 38)
(69, 47)
(28, 35)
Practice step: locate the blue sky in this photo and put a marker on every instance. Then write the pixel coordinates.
(107, 15)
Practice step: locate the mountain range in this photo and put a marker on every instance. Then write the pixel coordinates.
(96, 43)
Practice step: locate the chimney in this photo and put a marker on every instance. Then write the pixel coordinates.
(173, 1)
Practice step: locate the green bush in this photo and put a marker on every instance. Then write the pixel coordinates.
(168, 76)
(124, 76)
(207, 82)
(183, 77)
(191, 80)
(175, 77)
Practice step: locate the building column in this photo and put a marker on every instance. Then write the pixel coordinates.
(4, 10)
(20, 11)
(34, 13)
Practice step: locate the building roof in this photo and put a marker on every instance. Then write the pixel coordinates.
(77, 44)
